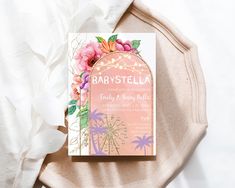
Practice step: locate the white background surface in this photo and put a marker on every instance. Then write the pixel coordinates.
(211, 25)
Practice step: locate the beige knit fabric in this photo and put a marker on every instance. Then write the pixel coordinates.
(181, 117)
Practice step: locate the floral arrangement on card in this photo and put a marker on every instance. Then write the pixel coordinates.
(85, 55)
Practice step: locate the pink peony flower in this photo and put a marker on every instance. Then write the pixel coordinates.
(87, 56)
(124, 46)
(75, 95)
(79, 87)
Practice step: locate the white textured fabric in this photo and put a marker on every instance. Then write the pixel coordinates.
(33, 77)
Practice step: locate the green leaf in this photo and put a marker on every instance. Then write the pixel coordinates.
(83, 111)
(81, 74)
(83, 114)
(135, 43)
(84, 122)
(99, 39)
(71, 109)
(113, 38)
(72, 102)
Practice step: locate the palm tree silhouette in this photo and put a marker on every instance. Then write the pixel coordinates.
(96, 130)
(96, 115)
(143, 142)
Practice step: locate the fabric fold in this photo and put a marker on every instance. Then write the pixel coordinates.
(33, 77)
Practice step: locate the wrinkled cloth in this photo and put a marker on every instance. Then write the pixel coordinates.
(33, 77)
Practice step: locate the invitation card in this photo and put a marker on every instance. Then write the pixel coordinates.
(112, 94)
